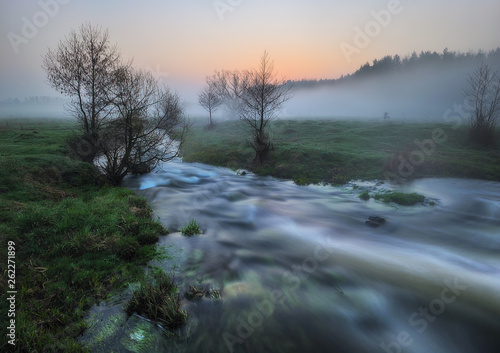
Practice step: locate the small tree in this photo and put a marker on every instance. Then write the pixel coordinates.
(257, 96)
(146, 128)
(82, 68)
(261, 101)
(209, 99)
(483, 97)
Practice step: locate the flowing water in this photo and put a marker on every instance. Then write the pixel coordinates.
(300, 271)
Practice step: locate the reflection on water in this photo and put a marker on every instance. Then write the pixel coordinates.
(300, 271)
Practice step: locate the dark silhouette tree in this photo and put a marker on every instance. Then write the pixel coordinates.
(483, 98)
(129, 123)
(261, 101)
(256, 96)
(146, 129)
(82, 68)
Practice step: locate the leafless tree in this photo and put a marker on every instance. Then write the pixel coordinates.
(257, 96)
(209, 99)
(261, 101)
(146, 129)
(483, 98)
(82, 67)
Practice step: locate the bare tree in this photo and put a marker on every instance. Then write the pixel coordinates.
(261, 101)
(483, 96)
(229, 86)
(82, 67)
(209, 99)
(130, 123)
(147, 127)
(257, 96)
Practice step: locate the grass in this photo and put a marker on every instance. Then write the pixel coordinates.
(158, 299)
(192, 228)
(77, 241)
(400, 198)
(315, 151)
(365, 196)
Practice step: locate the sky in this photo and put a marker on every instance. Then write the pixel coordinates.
(182, 42)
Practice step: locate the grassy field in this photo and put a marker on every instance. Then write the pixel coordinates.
(76, 242)
(314, 151)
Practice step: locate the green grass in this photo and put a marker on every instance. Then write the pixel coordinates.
(314, 151)
(77, 241)
(192, 228)
(400, 198)
(158, 299)
(365, 196)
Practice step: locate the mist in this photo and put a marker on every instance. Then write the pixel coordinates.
(38, 110)
(419, 95)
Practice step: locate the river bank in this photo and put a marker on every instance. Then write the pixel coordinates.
(334, 152)
(74, 242)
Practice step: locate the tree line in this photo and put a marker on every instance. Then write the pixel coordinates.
(396, 64)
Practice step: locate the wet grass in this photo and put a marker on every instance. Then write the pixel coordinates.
(192, 228)
(314, 151)
(365, 196)
(158, 299)
(77, 241)
(400, 198)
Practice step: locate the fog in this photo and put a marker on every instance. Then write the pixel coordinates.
(39, 110)
(423, 95)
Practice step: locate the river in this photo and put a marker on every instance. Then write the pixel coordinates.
(300, 271)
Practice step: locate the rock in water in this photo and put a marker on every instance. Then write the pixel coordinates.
(375, 221)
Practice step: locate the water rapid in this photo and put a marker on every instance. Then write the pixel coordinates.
(300, 271)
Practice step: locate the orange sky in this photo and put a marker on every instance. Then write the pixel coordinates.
(184, 41)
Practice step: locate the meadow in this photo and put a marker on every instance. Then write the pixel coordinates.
(77, 240)
(336, 151)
